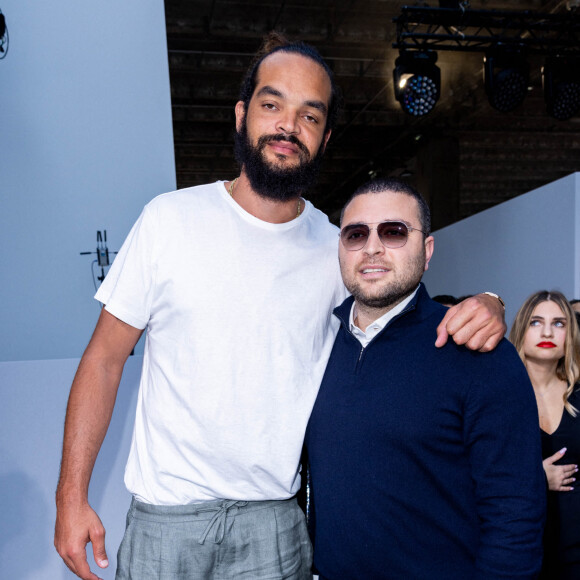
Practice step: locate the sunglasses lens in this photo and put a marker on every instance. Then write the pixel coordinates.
(354, 237)
(393, 234)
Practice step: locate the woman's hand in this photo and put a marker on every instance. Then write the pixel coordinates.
(560, 477)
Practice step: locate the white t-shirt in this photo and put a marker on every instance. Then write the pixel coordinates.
(239, 331)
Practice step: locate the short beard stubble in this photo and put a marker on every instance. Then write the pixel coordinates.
(394, 292)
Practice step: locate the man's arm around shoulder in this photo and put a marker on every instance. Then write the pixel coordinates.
(477, 322)
(90, 406)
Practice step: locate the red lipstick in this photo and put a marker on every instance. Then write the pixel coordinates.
(546, 344)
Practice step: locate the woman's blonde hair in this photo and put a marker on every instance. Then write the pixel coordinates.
(568, 368)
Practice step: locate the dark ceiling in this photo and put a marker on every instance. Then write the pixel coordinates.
(464, 156)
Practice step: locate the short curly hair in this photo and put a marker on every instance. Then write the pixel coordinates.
(276, 42)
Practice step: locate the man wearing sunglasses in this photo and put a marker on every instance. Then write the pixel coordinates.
(235, 283)
(425, 462)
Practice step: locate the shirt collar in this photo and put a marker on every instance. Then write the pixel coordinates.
(379, 324)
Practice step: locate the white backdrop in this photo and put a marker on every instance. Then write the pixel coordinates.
(529, 243)
(86, 140)
(34, 396)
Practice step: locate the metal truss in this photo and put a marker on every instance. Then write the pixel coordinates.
(479, 30)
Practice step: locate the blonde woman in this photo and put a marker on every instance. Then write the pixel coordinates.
(547, 338)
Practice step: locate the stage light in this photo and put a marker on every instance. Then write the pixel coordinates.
(417, 81)
(506, 74)
(561, 80)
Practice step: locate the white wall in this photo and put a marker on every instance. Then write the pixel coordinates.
(85, 141)
(34, 396)
(529, 243)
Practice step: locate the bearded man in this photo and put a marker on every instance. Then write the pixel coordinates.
(235, 283)
(425, 463)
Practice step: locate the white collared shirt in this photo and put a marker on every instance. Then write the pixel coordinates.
(364, 337)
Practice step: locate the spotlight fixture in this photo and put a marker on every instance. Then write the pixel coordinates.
(417, 81)
(506, 75)
(561, 80)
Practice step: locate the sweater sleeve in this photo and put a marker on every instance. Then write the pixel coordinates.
(502, 436)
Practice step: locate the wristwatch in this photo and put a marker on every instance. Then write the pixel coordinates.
(496, 296)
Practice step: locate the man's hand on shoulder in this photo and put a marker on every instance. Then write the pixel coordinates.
(75, 528)
(477, 322)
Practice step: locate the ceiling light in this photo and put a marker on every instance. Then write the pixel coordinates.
(417, 81)
(561, 80)
(507, 76)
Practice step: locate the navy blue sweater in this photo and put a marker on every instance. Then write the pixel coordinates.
(426, 463)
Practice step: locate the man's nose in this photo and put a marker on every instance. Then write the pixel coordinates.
(288, 123)
(374, 244)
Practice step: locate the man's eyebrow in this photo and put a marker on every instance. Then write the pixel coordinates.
(268, 90)
(318, 105)
(389, 221)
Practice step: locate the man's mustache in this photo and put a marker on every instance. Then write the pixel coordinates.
(264, 139)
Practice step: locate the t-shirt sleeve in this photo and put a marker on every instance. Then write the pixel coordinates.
(127, 290)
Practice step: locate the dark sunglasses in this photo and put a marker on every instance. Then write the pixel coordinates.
(393, 234)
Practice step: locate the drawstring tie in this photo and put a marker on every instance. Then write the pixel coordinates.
(220, 517)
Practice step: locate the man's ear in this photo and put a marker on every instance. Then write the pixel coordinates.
(240, 111)
(429, 246)
(325, 139)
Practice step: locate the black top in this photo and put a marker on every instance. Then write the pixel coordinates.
(562, 535)
(426, 462)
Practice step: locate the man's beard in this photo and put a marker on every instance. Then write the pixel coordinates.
(270, 181)
(394, 292)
